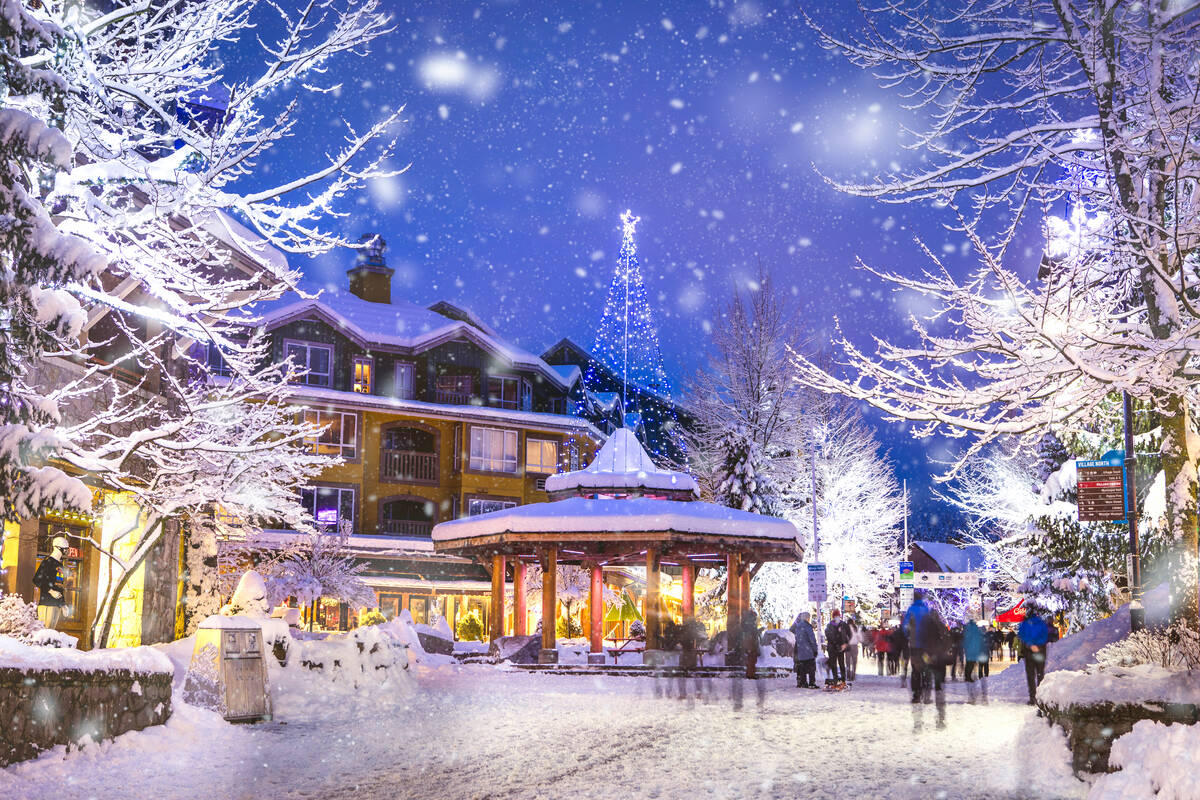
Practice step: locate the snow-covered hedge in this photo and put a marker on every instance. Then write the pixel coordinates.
(19, 655)
(18, 619)
(1172, 647)
(1157, 762)
(1135, 685)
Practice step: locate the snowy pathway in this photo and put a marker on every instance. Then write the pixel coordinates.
(478, 732)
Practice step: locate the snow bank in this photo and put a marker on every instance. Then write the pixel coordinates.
(1158, 762)
(1045, 759)
(15, 654)
(1079, 649)
(1120, 686)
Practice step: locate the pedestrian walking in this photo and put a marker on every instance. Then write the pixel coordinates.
(898, 656)
(852, 649)
(1033, 634)
(977, 654)
(933, 650)
(911, 623)
(805, 655)
(883, 646)
(1010, 639)
(837, 637)
(957, 660)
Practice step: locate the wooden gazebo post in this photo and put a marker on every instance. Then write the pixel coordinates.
(651, 654)
(549, 653)
(596, 612)
(497, 612)
(733, 611)
(688, 657)
(520, 615)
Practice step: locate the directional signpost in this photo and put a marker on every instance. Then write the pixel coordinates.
(946, 580)
(1102, 489)
(817, 590)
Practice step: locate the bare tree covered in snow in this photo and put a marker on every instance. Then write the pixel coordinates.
(1024, 105)
(758, 429)
(322, 565)
(143, 166)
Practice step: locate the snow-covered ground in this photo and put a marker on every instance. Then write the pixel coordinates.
(476, 731)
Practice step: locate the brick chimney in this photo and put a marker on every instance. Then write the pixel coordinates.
(371, 277)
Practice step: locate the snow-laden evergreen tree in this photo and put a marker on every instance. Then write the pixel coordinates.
(148, 163)
(745, 484)
(37, 260)
(1086, 110)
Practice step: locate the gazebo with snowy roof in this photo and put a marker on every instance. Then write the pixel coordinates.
(620, 510)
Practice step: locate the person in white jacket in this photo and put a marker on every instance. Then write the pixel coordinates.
(852, 648)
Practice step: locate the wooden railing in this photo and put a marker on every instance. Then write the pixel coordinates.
(406, 527)
(409, 465)
(453, 398)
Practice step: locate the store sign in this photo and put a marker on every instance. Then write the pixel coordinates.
(818, 592)
(1102, 488)
(946, 580)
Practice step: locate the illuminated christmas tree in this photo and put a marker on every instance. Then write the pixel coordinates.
(626, 344)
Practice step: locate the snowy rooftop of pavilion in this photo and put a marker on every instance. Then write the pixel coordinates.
(629, 515)
(622, 464)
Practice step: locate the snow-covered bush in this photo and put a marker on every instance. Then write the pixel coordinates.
(637, 629)
(18, 619)
(1171, 647)
(1156, 761)
(470, 627)
(568, 628)
(250, 598)
(371, 617)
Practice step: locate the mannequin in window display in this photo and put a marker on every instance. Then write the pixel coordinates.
(49, 581)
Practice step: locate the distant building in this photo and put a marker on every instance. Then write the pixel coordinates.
(656, 418)
(944, 557)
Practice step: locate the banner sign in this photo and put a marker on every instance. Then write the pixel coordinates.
(945, 580)
(817, 590)
(1102, 488)
(906, 575)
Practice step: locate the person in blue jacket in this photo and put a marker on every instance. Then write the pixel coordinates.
(977, 654)
(1034, 634)
(805, 655)
(911, 625)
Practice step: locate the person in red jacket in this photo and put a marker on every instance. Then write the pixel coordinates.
(883, 646)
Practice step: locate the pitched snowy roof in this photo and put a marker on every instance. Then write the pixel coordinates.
(952, 558)
(399, 324)
(622, 463)
(631, 515)
(569, 372)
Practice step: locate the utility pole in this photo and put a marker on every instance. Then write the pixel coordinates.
(1137, 611)
(816, 537)
(906, 519)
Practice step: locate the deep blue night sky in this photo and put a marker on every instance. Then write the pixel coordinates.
(531, 126)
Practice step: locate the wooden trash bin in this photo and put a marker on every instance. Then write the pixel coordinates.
(228, 673)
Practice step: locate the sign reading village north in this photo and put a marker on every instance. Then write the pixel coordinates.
(1102, 489)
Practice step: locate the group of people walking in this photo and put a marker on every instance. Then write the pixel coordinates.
(921, 650)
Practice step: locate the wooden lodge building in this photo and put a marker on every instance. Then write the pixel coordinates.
(436, 417)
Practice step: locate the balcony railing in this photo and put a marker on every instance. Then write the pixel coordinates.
(409, 465)
(406, 527)
(453, 398)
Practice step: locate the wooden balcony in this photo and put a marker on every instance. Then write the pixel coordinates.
(409, 465)
(406, 527)
(453, 398)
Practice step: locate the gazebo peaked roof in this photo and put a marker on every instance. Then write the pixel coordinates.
(622, 467)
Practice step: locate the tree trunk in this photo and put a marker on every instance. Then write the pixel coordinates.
(1179, 469)
(102, 624)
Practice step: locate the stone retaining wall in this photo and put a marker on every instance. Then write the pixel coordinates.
(1092, 729)
(40, 709)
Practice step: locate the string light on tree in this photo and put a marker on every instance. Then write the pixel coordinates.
(626, 342)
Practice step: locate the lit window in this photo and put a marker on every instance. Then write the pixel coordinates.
(330, 506)
(363, 367)
(541, 456)
(340, 437)
(479, 505)
(405, 381)
(493, 450)
(315, 360)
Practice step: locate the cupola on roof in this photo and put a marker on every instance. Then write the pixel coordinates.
(622, 467)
